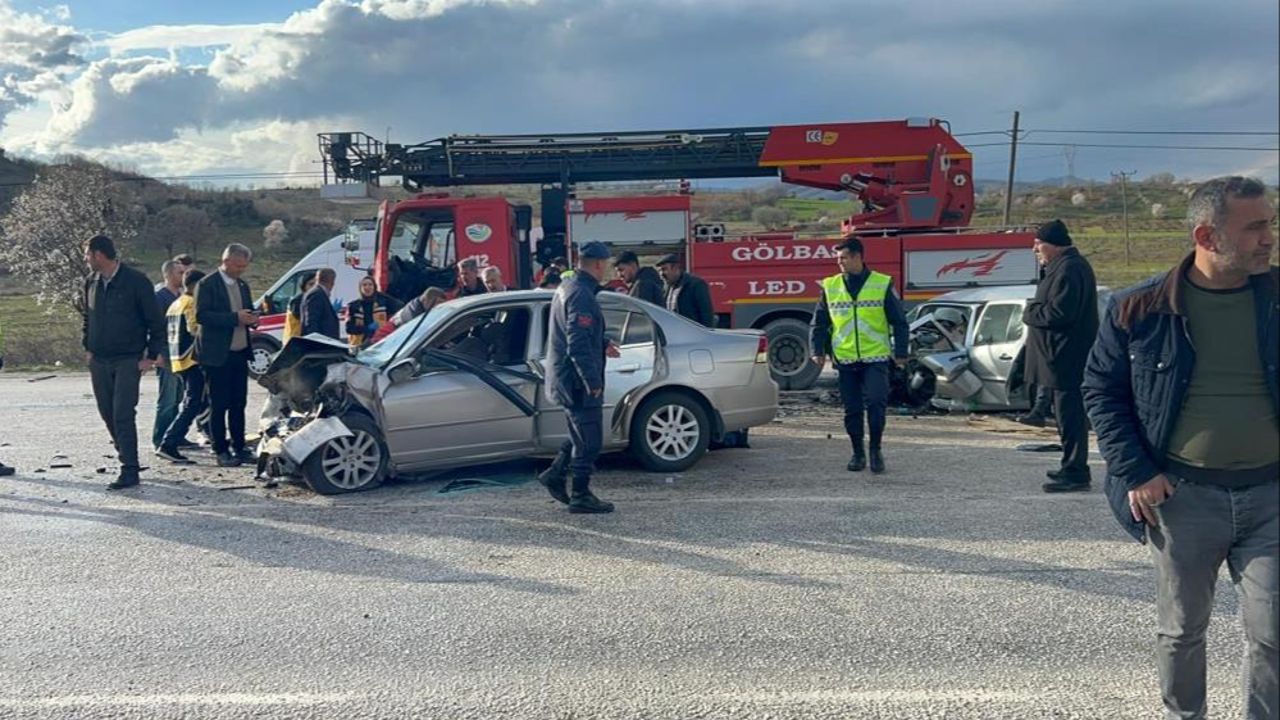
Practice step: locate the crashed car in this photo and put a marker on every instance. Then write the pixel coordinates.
(966, 348)
(463, 385)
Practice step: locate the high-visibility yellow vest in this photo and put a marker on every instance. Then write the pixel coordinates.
(859, 326)
(567, 274)
(181, 317)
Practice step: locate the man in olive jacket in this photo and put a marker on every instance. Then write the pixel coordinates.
(1062, 322)
(124, 336)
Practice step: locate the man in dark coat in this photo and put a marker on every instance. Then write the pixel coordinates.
(124, 336)
(225, 315)
(318, 315)
(686, 294)
(642, 282)
(1062, 322)
(575, 379)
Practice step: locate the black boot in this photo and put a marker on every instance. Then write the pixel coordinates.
(128, 478)
(1069, 482)
(1031, 419)
(554, 477)
(588, 503)
(877, 461)
(5, 470)
(857, 463)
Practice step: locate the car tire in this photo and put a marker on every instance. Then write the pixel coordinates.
(789, 354)
(670, 432)
(262, 348)
(349, 464)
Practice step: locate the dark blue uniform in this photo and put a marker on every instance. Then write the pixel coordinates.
(576, 363)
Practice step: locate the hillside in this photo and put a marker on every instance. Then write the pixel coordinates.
(178, 218)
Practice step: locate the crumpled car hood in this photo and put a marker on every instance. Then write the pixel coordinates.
(314, 369)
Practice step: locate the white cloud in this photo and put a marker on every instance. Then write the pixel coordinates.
(433, 67)
(168, 37)
(36, 54)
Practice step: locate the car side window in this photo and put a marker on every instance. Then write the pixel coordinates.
(615, 322)
(1016, 328)
(639, 330)
(993, 328)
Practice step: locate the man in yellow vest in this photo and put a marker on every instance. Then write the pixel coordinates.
(852, 324)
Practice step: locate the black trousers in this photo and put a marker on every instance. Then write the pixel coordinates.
(193, 403)
(115, 387)
(1073, 430)
(586, 434)
(228, 393)
(1042, 401)
(864, 388)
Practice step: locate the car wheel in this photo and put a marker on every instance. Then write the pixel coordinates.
(789, 354)
(670, 432)
(261, 349)
(348, 464)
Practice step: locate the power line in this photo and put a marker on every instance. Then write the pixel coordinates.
(1131, 147)
(1157, 132)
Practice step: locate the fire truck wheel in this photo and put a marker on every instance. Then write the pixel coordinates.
(670, 432)
(789, 354)
(261, 349)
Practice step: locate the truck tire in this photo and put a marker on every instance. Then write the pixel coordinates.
(349, 464)
(670, 432)
(261, 349)
(789, 354)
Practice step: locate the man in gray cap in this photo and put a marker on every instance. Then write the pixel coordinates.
(575, 379)
(1062, 323)
(686, 294)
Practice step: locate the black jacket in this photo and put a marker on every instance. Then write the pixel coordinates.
(125, 321)
(1138, 372)
(318, 315)
(648, 287)
(691, 298)
(576, 359)
(216, 320)
(1062, 323)
(820, 324)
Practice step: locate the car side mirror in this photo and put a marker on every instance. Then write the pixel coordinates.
(402, 370)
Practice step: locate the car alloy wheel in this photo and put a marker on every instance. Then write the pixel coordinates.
(352, 462)
(672, 432)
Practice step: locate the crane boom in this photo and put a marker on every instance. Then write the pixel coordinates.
(910, 174)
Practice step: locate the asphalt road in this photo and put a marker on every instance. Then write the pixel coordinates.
(765, 583)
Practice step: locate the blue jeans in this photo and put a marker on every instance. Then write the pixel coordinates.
(1199, 528)
(167, 403)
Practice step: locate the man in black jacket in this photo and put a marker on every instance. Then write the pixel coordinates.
(686, 294)
(318, 315)
(642, 282)
(224, 312)
(1062, 322)
(124, 336)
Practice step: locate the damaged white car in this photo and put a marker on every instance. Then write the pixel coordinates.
(966, 349)
(462, 385)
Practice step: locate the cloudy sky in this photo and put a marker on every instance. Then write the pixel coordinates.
(242, 86)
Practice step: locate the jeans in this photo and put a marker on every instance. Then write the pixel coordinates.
(1199, 528)
(167, 403)
(193, 403)
(864, 388)
(115, 387)
(228, 393)
(1073, 431)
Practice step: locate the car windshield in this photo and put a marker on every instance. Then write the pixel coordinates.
(405, 338)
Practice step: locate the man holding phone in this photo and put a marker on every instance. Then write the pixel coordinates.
(224, 314)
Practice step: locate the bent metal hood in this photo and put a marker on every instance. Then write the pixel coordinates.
(313, 370)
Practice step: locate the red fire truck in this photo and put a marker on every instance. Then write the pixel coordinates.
(913, 178)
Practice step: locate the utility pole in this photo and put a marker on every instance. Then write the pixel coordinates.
(1124, 203)
(1069, 152)
(1013, 160)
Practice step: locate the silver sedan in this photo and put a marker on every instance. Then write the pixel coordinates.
(462, 385)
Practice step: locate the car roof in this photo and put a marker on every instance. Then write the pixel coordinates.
(505, 297)
(987, 294)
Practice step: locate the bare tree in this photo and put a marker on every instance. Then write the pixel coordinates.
(42, 236)
(179, 223)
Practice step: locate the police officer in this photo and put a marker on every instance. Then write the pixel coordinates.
(851, 324)
(575, 378)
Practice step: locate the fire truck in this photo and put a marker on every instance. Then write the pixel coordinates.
(913, 178)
